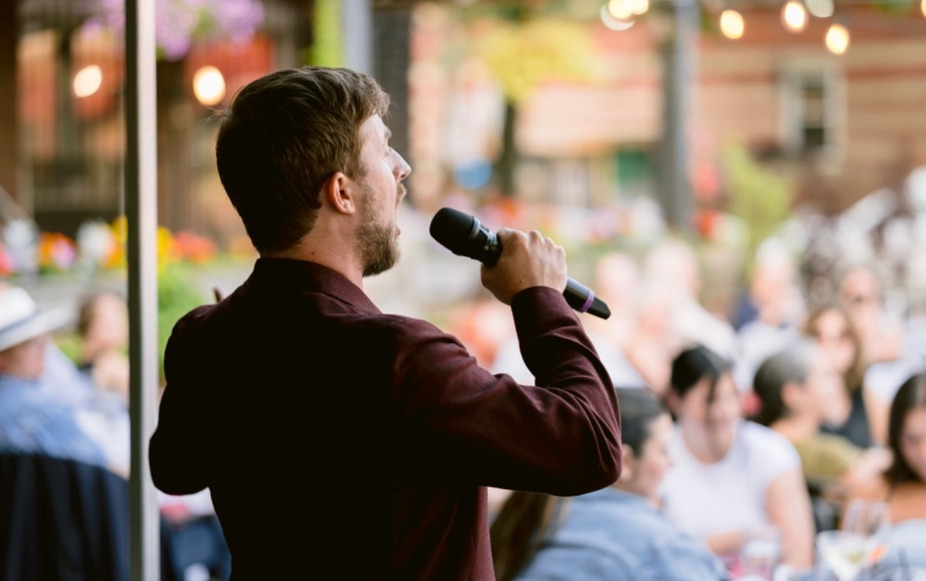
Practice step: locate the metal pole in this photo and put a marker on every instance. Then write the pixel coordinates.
(141, 213)
(357, 26)
(680, 58)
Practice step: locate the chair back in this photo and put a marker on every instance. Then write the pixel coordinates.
(62, 520)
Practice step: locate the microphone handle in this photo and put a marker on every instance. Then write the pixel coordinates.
(578, 296)
(583, 299)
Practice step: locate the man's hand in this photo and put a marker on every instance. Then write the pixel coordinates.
(527, 260)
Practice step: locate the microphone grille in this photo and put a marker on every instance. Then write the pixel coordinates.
(453, 229)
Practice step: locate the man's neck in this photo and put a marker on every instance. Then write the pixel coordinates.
(333, 256)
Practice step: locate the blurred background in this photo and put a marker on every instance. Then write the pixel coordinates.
(743, 128)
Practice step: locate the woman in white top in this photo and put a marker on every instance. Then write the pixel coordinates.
(731, 478)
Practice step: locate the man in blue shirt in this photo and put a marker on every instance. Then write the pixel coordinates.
(34, 417)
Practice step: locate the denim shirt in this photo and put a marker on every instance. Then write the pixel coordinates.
(611, 534)
(35, 420)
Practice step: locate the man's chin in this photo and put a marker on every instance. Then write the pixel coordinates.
(382, 266)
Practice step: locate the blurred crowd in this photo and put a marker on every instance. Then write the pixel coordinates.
(74, 407)
(773, 422)
(760, 427)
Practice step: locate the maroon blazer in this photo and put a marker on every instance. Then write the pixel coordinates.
(334, 437)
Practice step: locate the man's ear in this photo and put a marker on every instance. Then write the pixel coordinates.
(338, 190)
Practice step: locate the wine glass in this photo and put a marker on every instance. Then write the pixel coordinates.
(842, 552)
(859, 542)
(872, 520)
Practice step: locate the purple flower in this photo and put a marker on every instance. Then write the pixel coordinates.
(179, 23)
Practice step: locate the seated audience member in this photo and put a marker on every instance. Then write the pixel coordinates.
(775, 293)
(731, 477)
(34, 418)
(103, 328)
(795, 386)
(614, 533)
(846, 413)
(903, 484)
(892, 349)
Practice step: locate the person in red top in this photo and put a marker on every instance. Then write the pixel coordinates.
(333, 436)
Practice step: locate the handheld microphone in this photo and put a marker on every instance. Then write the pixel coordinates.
(464, 235)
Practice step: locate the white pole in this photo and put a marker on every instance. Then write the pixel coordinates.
(141, 213)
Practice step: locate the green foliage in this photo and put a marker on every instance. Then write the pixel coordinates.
(69, 344)
(326, 49)
(758, 196)
(178, 293)
(523, 55)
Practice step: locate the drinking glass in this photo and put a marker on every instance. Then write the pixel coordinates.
(842, 553)
(761, 553)
(858, 543)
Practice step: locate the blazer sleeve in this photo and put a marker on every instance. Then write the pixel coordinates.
(178, 452)
(560, 436)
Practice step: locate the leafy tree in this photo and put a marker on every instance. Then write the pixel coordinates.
(522, 53)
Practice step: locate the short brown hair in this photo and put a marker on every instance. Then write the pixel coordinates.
(282, 137)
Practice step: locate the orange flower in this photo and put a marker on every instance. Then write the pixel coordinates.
(57, 252)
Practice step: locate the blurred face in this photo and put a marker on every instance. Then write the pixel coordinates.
(861, 295)
(710, 424)
(913, 441)
(649, 467)
(382, 191)
(822, 386)
(835, 338)
(26, 359)
(110, 326)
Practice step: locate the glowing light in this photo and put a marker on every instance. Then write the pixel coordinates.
(820, 8)
(641, 6)
(209, 85)
(923, 7)
(731, 24)
(794, 16)
(618, 24)
(620, 9)
(837, 39)
(87, 81)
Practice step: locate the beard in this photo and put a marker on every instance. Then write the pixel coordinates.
(379, 248)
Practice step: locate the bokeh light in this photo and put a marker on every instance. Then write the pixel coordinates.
(209, 85)
(88, 81)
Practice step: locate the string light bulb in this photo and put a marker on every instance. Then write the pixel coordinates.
(732, 25)
(837, 39)
(209, 85)
(88, 81)
(639, 7)
(613, 23)
(620, 9)
(794, 16)
(820, 8)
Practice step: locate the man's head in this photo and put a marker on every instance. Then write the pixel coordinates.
(283, 138)
(24, 333)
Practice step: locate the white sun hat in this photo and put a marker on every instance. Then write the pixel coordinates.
(21, 319)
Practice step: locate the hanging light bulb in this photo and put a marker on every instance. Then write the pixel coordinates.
(820, 8)
(732, 25)
(837, 39)
(613, 23)
(620, 9)
(794, 16)
(639, 7)
(209, 85)
(87, 81)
